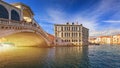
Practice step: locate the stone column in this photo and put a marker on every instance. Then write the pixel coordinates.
(9, 15)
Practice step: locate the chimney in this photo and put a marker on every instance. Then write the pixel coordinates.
(81, 24)
(67, 23)
(72, 23)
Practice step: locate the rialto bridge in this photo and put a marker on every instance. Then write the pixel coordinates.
(17, 26)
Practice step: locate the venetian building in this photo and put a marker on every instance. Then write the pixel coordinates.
(71, 34)
(116, 39)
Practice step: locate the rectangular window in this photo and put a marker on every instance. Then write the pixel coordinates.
(56, 40)
(55, 28)
(61, 34)
(61, 28)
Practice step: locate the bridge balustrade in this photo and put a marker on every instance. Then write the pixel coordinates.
(4, 21)
(25, 25)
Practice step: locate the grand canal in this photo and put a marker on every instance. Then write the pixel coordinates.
(103, 56)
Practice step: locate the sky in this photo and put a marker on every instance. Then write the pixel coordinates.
(101, 17)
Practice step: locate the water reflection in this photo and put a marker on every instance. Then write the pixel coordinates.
(22, 57)
(67, 57)
(104, 56)
(61, 57)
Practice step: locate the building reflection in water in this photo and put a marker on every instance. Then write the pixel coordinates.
(68, 57)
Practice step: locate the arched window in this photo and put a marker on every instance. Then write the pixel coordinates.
(3, 12)
(15, 15)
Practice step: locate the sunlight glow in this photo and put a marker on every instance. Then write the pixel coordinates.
(5, 47)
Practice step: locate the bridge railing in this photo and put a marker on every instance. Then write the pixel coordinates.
(4, 21)
(25, 25)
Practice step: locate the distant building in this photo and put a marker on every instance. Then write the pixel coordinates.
(71, 34)
(102, 40)
(92, 40)
(105, 40)
(116, 39)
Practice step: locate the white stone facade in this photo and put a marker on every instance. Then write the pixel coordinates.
(71, 34)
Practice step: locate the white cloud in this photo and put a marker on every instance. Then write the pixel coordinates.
(91, 22)
(98, 9)
(113, 21)
(59, 17)
(89, 18)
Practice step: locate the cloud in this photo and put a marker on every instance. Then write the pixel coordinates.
(100, 16)
(59, 17)
(90, 18)
(98, 9)
(113, 21)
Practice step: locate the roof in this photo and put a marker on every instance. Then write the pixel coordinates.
(52, 37)
(68, 23)
(92, 38)
(19, 3)
(118, 34)
(104, 37)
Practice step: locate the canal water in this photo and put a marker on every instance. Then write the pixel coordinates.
(102, 56)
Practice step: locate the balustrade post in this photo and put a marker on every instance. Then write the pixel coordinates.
(9, 21)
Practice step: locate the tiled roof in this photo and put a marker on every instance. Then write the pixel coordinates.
(51, 37)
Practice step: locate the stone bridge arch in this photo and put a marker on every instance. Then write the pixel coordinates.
(25, 38)
(16, 22)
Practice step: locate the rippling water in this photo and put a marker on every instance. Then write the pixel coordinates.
(103, 56)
